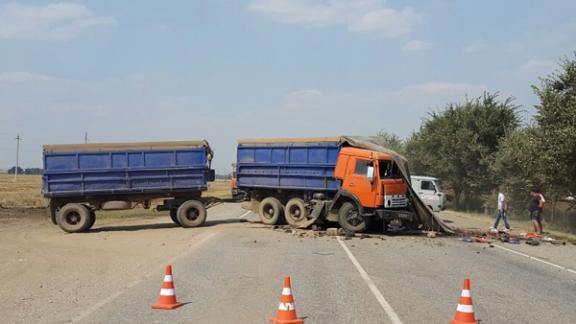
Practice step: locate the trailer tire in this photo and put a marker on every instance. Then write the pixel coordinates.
(191, 213)
(92, 220)
(174, 216)
(296, 212)
(270, 211)
(350, 219)
(74, 218)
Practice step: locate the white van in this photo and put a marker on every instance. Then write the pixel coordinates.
(428, 189)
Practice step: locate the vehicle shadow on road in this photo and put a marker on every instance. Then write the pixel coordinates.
(139, 227)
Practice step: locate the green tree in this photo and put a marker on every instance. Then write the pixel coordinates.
(13, 169)
(459, 144)
(392, 141)
(556, 119)
(34, 171)
(544, 155)
(518, 164)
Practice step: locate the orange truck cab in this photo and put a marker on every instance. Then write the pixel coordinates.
(372, 177)
(373, 180)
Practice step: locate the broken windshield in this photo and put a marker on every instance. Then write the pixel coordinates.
(388, 169)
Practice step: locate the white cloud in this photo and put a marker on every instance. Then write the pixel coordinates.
(416, 45)
(362, 16)
(387, 22)
(530, 71)
(475, 47)
(302, 99)
(11, 77)
(539, 66)
(58, 21)
(443, 88)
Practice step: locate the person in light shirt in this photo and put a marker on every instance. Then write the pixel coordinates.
(501, 211)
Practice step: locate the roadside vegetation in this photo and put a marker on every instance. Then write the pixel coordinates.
(479, 144)
(23, 193)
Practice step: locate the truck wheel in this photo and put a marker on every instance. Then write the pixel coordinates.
(92, 219)
(296, 212)
(174, 216)
(192, 213)
(270, 211)
(350, 219)
(74, 218)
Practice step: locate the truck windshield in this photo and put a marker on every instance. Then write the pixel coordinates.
(388, 169)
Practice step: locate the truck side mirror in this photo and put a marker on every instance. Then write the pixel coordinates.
(370, 173)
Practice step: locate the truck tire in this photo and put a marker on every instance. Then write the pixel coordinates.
(296, 212)
(92, 220)
(191, 213)
(270, 211)
(350, 219)
(74, 218)
(174, 216)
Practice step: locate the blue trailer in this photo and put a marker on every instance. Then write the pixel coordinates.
(81, 179)
(290, 165)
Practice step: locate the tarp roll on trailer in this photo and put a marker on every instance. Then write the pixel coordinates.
(425, 216)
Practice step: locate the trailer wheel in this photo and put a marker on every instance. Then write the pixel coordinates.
(74, 218)
(270, 211)
(174, 216)
(92, 220)
(350, 219)
(296, 212)
(192, 213)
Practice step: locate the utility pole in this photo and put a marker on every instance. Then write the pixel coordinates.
(18, 139)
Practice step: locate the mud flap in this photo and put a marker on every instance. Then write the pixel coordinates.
(316, 212)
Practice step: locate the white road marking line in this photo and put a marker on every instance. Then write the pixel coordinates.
(536, 259)
(115, 295)
(245, 214)
(385, 305)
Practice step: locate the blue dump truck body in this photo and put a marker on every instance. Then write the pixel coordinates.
(288, 165)
(92, 170)
(82, 179)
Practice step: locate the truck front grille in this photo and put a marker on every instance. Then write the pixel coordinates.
(395, 201)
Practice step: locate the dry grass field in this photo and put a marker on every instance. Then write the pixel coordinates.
(26, 191)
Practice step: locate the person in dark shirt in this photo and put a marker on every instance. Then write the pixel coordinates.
(535, 207)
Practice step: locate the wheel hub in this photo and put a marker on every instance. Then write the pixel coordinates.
(192, 214)
(72, 218)
(354, 218)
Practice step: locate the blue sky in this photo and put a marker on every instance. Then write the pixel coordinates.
(223, 70)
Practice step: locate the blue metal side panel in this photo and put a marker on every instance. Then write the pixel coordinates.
(305, 166)
(127, 172)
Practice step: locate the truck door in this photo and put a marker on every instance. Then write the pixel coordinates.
(427, 192)
(358, 183)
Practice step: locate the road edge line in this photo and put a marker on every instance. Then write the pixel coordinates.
(245, 214)
(381, 300)
(536, 259)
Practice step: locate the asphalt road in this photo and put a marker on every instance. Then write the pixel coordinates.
(233, 273)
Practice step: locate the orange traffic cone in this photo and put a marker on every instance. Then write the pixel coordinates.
(167, 299)
(286, 313)
(465, 311)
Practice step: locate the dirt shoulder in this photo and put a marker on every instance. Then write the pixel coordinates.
(479, 221)
(49, 276)
(562, 255)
